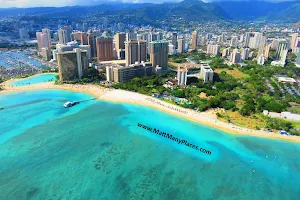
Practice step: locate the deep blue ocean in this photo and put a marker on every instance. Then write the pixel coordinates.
(95, 150)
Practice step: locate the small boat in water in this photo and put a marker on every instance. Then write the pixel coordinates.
(70, 104)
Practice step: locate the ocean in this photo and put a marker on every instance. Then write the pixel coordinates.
(95, 150)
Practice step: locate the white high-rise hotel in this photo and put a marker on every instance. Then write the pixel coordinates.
(182, 75)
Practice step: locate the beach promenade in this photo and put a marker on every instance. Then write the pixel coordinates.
(114, 95)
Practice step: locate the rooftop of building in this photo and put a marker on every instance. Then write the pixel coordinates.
(113, 62)
(159, 41)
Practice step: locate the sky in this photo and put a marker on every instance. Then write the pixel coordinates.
(58, 3)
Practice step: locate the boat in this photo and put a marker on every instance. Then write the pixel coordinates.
(69, 104)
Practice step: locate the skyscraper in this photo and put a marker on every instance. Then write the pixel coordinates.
(234, 42)
(120, 41)
(283, 45)
(104, 47)
(131, 36)
(120, 45)
(245, 54)
(174, 39)
(110, 73)
(194, 40)
(253, 39)
(294, 40)
(235, 57)
(262, 45)
(182, 75)
(226, 52)
(135, 51)
(267, 51)
(159, 54)
(181, 46)
(48, 32)
(64, 34)
(72, 64)
(42, 39)
(92, 42)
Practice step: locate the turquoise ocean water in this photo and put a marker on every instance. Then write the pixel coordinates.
(95, 150)
(35, 79)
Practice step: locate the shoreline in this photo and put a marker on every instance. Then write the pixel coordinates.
(122, 96)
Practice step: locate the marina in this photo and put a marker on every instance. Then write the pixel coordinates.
(14, 59)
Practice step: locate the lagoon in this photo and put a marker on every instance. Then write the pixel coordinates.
(40, 78)
(96, 151)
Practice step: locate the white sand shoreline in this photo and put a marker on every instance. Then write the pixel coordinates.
(121, 96)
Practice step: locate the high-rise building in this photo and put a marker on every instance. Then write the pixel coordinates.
(294, 40)
(131, 36)
(247, 39)
(160, 36)
(120, 41)
(88, 50)
(194, 40)
(234, 42)
(242, 38)
(159, 54)
(206, 73)
(213, 49)
(150, 38)
(283, 56)
(72, 64)
(42, 39)
(104, 46)
(181, 46)
(135, 51)
(64, 34)
(235, 57)
(226, 52)
(120, 45)
(267, 51)
(46, 53)
(283, 45)
(92, 42)
(245, 54)
(182, 75)
(172, 49)
(110, 73)
(48, 32)
(253, 39)
(174, 39)
(261, 59)
(24, 34)
(262, 45)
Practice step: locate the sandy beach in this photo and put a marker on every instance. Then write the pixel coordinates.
(113, 95)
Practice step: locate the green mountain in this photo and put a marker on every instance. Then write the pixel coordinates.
(290, 13)
(191, 10)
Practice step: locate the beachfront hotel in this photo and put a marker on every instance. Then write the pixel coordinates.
(135, 51)
(182, 75)
(72, 64)
(119, 74)
(159, 53)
